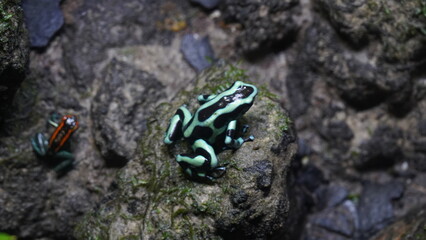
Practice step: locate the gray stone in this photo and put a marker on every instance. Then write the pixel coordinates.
(13, 54)
(120, 109)
(336, 223)
(410, 226)
(43, 19)
(97, 26)
(156, 200)
(266, 23)
(380, 72)
(422, 127)
(330, 196)
(208, 4)
(341, 219)
(375, 208)
(382, 149)
(197, 52)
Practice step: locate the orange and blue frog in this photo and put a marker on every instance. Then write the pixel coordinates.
(55, 149)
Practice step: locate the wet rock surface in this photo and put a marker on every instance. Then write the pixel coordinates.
(43, 19)
(121, 106)
(14, 54)
(250, 201)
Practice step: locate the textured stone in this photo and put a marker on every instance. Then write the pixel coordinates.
(97, 26)
(155, 199)
(382, 150)
(330, 196)
(386, 32)
(266, 24)
(375, 208)
(120, 108)
(197, 52)
(411, 226)
(336, 223)
(13, 53)
(43, 19)
(208, 4)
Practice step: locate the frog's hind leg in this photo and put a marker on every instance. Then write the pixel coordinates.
(177, 122)
(66, 161)
(232, 142)
(40, 144)
(202, 163)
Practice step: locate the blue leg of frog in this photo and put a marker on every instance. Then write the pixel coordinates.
(211, 128)
(235, 143)
(40, 144)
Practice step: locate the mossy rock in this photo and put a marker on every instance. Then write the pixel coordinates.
(14, 52)
(155, 200)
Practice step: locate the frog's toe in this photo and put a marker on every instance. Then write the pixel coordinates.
(245, 128)
(218, 172)
(249, 139)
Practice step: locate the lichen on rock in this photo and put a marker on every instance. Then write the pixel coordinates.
(13, 53)
(154, 198)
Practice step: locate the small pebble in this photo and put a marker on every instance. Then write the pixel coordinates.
(197, 51)
(43, 19)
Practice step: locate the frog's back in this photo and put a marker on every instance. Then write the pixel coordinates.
(203, 128)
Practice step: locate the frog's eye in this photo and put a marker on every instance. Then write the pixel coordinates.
(246, 91)
(70, 121)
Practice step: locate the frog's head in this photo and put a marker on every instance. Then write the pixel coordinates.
(70, 122)
(243, 91)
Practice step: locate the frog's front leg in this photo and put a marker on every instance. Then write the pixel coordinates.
(54, 119)
(202, 163)
(232, 142)
(177, 122)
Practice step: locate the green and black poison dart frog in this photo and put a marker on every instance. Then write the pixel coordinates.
(53, 149)
(211, 129)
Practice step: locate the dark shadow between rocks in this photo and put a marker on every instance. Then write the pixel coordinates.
(275, 47)
(113, 160)
(366, 100)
